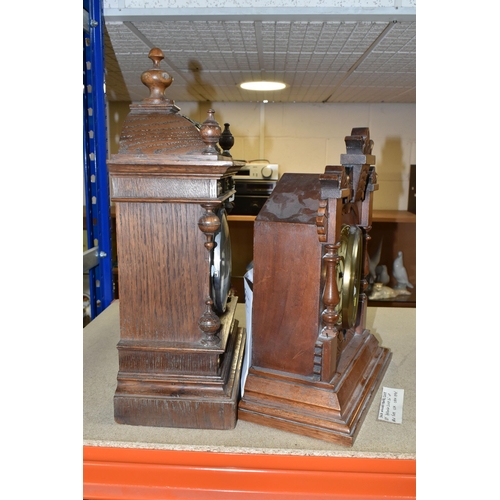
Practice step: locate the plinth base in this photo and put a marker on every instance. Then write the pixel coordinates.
(200, 390)
(331, 411)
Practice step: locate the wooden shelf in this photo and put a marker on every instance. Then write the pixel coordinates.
(399, 216)
(241, 218)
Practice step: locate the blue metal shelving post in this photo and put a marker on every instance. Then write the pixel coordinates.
(98, 259)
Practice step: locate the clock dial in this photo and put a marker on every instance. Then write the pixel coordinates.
(349, 273)
(220, 267)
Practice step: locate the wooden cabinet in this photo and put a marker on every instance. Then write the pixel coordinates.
(395, 229)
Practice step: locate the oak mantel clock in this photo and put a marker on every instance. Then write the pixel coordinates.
(315, 367)
(180, 348)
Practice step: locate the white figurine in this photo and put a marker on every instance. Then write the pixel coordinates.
(380, 291)
(399, 273)
(382, 275)
(373, 262)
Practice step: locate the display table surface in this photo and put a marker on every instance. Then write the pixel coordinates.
(384, 454)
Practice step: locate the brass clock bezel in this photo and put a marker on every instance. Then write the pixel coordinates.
(349, 271)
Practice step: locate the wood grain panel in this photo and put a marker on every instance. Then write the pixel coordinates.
(153, 260)
(286, 295)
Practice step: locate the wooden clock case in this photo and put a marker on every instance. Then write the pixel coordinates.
(315, 367)
(179, 358)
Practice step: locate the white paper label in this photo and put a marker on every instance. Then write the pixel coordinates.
(391, 405)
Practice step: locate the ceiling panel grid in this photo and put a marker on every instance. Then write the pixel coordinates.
(333, 61)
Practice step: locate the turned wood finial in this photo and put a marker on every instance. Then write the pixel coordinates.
(226, 141)
(209, 223)
(209, 324)
(210, 133)
(331, 297)
(156, 79)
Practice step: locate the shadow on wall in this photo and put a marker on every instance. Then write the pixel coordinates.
(391, 172)
(200, 90)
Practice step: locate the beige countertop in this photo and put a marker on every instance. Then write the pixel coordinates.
(393, 327)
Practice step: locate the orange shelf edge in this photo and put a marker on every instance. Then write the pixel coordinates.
(145, 474)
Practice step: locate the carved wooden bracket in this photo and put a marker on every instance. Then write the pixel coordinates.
(362, 177)
(359, 141)
(334, 185)
(321, 221)
(334, 182)
(358, 159)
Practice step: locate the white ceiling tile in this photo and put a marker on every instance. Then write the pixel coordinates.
(342, 61)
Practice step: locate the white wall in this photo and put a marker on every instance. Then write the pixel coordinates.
(307, 137)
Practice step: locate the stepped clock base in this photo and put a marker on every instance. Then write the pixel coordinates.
(182, 396)
(329, 411)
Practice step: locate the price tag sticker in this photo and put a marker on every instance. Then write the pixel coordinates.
(391, 405)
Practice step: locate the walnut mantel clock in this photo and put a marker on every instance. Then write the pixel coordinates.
(180, 348)
(314, 366)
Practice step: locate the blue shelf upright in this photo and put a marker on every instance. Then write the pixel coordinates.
(98, 259)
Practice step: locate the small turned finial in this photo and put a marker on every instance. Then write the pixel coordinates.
(156, 55)
(210, 132)
(156, 79)
(226, 141)
(209, 324)
(209, 224)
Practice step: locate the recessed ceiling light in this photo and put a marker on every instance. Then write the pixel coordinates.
(262, 85)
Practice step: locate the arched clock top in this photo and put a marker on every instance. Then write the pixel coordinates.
(156, 138)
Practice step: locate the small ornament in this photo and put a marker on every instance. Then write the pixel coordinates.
(400, 274)
(226, 140)
(156, 79)
(374, 262)
(380, 291)
(382, 275)
(209, 324)
(210, 132)
(209, 224)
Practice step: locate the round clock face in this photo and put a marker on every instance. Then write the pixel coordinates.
(220, 266)
(349, 274)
